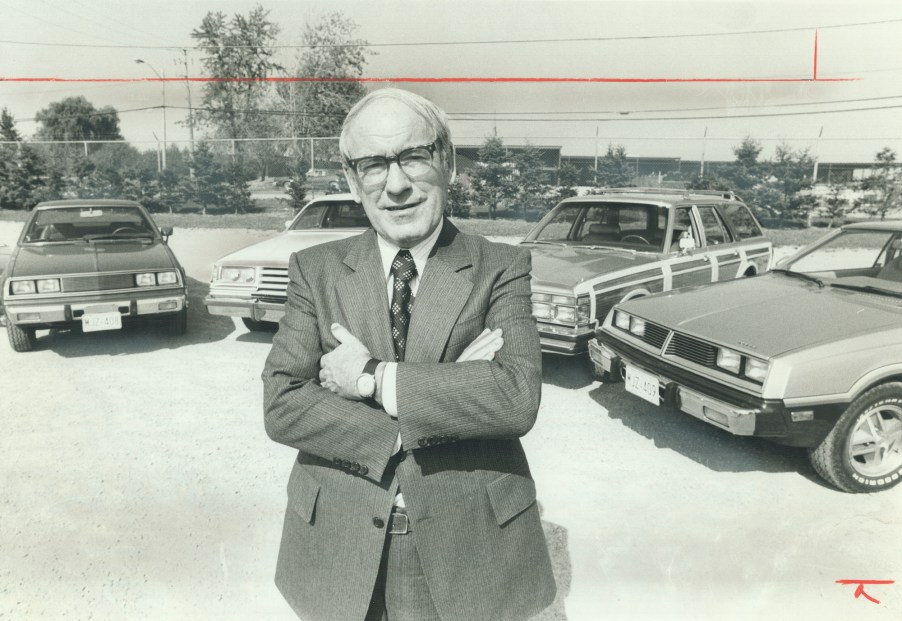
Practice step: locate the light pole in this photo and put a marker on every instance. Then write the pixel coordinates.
(163, 83)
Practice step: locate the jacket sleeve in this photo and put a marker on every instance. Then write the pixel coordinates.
(450, 401)
(302, 414)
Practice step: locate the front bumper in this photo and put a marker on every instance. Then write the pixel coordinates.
(565, 341)
(722, 406)
(58, 312)
(258, 310)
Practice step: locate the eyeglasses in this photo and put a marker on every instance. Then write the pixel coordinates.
(414, 161)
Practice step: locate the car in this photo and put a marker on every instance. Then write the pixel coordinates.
(93, 265)
(251, 283)
(590, 252)
(807, 355)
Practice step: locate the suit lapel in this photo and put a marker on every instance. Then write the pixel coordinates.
(443, 290)
(363, 298)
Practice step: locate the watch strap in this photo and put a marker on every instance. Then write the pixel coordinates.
(370, 367)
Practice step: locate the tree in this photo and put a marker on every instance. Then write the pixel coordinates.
(787, 188)
(75, 119)
(21, 169)
(613, 169)
(240, 51)
(883, 184)
(531, 181)
(835, 206)
(207, 187)
(458, 204)
(492, 179)
(8, 131)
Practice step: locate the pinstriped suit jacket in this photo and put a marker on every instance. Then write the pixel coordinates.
(464, 474)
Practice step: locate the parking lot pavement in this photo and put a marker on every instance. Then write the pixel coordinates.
(138, 483)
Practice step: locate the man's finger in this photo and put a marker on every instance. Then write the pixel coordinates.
(342, 334)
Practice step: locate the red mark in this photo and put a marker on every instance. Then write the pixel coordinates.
(436, 80)
(815, 54)
(860, 590)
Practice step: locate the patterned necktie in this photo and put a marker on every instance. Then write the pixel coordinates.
(403, 269)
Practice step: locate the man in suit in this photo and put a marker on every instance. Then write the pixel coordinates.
(405, 370)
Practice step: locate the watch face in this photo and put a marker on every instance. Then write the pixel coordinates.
(366, 385)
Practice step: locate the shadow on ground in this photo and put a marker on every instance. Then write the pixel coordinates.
(556, 537)
(141, 336)
(699, 441)
(567, 371)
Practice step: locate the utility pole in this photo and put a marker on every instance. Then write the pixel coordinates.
(817, 146)
(190, 107)
(162, 79)
(704, 144)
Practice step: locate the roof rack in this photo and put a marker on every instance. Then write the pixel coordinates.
(727, 194)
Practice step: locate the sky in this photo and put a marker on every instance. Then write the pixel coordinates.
(838, 121)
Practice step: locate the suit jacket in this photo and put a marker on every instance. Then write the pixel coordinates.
(463, 472)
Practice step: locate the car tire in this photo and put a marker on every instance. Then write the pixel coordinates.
(20, 339)
(178, 324)
(259, 326)
(863, 451)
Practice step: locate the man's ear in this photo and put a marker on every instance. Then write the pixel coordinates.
(352, 183)
(451, 167)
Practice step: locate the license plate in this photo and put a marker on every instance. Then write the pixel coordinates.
(94, 322)
(642, 384)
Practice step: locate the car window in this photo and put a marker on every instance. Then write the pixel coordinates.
(347, 214)
(310, 218)
(715, 232)
(851, 253)
(741, 221)
(627, 225)
(81, 222)
(682, 222)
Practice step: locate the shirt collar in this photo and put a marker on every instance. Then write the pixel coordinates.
(420, 252)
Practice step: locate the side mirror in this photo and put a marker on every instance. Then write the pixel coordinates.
(687, 242)
(166, 231)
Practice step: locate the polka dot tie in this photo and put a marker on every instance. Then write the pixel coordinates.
(403, 269)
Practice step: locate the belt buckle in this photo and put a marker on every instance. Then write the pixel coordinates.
(400, 524)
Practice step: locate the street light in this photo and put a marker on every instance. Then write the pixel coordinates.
(163, 82)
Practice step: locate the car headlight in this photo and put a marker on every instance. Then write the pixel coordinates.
(237, 275)
(756, 369)
(561, 308)
(22, 287)
(166, 278)
(729, 360)
(622, 320)
(48, 285)
(637, 326)
(147, 279)
(542, 310)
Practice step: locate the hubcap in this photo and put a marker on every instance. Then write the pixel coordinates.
(875, 446)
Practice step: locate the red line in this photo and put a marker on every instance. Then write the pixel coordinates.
(815, 54)
(439, 80)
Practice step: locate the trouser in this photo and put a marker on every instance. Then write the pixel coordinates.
(401, 592)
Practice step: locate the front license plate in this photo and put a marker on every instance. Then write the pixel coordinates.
(642, 384)
(94, 322)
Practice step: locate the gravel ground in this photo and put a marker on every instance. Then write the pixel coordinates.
(138, 483)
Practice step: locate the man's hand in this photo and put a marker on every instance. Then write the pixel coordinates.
(340, 368)
(483, 346)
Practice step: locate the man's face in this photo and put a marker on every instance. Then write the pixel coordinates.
(404, 210)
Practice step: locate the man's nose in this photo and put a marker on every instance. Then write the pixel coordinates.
(397, 180)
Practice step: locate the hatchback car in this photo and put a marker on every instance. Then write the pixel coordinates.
(91, 264)
(807, 355)
(591, 252)
(251, 283)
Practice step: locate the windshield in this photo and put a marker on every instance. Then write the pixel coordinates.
(331, 215)
(69, 224)
(633, 226)
(855, 259)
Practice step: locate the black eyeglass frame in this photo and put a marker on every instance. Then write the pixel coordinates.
(431, 147)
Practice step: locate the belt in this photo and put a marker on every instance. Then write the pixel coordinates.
(398, 522)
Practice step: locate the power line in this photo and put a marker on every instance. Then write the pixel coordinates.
(479, 42)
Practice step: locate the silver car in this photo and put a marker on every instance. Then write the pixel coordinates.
(807, 355)
(251, 283)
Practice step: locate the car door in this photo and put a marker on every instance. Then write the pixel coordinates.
(719, 244)
(692, 267)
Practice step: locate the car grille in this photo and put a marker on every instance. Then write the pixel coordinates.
(691, 349)
(655, 335)
(97, 282)
(273, 284)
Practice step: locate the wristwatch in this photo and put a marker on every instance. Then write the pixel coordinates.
(366, 381)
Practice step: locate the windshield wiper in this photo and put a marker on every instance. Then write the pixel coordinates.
(120, 237)
(867, 289)
(600, 247)
(802, 275)
(547, 243)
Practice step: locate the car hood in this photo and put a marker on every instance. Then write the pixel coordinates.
(83, 258)
(770, 314)
(560, 266)
(275, 252)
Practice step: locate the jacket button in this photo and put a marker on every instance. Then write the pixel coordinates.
(355, 467)
(364, 470)
(378, 523)
(422, 441)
